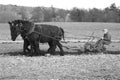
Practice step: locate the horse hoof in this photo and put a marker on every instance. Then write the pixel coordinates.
(61, 54)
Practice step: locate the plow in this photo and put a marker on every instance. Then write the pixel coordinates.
(94, 47)
(91, 46)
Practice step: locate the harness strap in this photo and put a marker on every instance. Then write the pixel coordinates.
(40, 33)
(45, 35)
(32, 30)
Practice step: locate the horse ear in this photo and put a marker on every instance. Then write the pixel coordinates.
(9, 22)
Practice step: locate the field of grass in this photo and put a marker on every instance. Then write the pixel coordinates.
(73, 66)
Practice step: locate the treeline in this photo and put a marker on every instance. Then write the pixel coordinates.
(48, 14)
(109, 14)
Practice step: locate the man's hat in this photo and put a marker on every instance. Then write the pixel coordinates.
(105, 30)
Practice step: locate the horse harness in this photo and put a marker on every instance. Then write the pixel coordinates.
(32, 30)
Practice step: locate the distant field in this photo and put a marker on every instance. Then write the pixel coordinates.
(74, 29)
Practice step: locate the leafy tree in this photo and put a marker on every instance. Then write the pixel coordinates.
(48, 14)
(77, 14)
(6, 16)
(62, 13)
(112, 14)
(37, 15)
(95, 15)
(24, 13)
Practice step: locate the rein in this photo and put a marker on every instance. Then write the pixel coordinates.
(31, 31)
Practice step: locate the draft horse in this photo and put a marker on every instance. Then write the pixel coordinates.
(35, 33)
(15, 31)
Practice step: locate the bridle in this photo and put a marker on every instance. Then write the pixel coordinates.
(22, 29)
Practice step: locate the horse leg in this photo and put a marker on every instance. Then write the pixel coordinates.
(25, 45)
(60, 47)
(32, 47)
(52, 47)
(36, 47)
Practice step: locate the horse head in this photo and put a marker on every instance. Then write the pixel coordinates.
(19, 27)
(14, 29)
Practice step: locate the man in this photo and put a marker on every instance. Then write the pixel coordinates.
(106, 39)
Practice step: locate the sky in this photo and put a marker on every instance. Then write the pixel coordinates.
(65, 4)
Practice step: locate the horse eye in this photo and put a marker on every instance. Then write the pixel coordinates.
(16, 25)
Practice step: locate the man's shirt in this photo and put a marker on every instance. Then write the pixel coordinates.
(107, 37)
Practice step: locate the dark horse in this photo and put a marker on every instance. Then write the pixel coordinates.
(15, 31)
(35, 33)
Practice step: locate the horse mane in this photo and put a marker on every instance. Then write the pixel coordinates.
(22, 21)
(25, 26)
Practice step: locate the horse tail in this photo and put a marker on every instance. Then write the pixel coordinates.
(63, 33)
